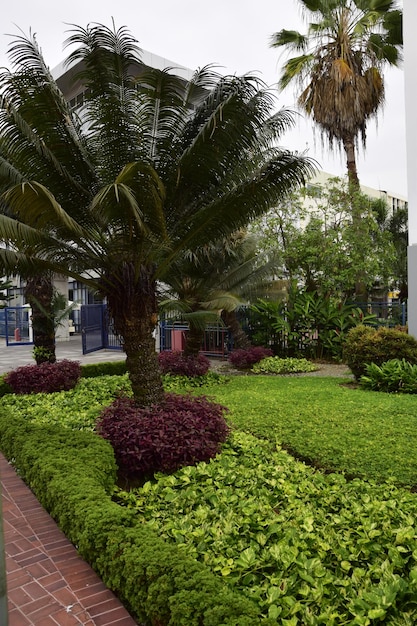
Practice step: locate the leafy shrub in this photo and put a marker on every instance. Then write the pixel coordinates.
(244, 359)
(182, 430)
(177, 363)
(4, 387)
(44, 378)
(108, 368)
(394, 376)
(276, 365)
(181, 384)
(366, 345)
(277, 522)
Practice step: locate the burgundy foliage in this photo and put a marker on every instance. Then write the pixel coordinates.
(177, 363)
(44, 378)
(244, 359)
(182, 430)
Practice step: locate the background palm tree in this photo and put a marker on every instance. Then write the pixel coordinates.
(111, 196)
(339, 66)
(212, 283)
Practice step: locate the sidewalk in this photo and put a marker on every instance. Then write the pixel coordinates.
(48, 583)
(17, 355)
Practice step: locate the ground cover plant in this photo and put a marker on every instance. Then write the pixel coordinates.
(244, 359)
(328, 423)
(307, 547)
(191, 365)
(45, 377)
(182, 430)
(288, 365)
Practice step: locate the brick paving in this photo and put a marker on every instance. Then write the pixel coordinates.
(48, 583)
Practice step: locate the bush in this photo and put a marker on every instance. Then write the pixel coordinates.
(244, 359)
(4, 387)
(366, 345)
(44, 378)
(394, 376)
(289, 365)
(177, 363)
(108, 368)
(180, 431)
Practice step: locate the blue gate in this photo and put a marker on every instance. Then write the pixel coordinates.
(15, 325)
(97, 329)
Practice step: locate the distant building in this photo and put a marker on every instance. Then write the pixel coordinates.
(393, 200)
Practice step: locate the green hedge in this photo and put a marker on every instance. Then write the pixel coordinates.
(108, 368)
(73, 474)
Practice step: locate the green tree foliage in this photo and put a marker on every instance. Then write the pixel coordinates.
(147, 169)
(5, 284)
(320, 246)
(339, 66)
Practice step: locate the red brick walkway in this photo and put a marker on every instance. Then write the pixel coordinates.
(48, 583)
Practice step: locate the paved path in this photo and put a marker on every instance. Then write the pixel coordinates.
(17, 355)
(48, 583)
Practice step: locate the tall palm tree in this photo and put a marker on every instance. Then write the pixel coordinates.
(339, 66)
(146, 169)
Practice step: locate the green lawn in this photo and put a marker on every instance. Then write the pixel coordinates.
(363, 433)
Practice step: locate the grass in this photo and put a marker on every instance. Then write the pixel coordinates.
(333, 426)
(330, 425)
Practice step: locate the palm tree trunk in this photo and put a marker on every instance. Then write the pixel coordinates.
(133, 307)
(194, 340)
(240, 338)
(352, 170)
(361, 294)
(142, 361)
(39, 293)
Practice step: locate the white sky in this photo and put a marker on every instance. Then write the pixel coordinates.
(233, 34)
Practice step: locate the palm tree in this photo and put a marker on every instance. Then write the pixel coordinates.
(212, 283)
(339, 66)
(147, 169)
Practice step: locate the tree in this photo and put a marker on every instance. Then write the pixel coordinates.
(396, 225)
(148, 169)
(213, 283)
(339, 70)
(320, 247)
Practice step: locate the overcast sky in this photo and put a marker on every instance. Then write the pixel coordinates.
(233, 34)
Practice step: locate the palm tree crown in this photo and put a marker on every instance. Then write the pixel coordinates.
(339, 65)
(111, 194)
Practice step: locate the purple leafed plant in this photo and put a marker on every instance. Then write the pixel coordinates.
(44, 378)
(182, 430)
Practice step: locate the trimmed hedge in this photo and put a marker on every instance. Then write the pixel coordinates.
(108, 368)
(73, 475)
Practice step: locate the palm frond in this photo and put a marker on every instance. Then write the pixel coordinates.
(35, 205)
